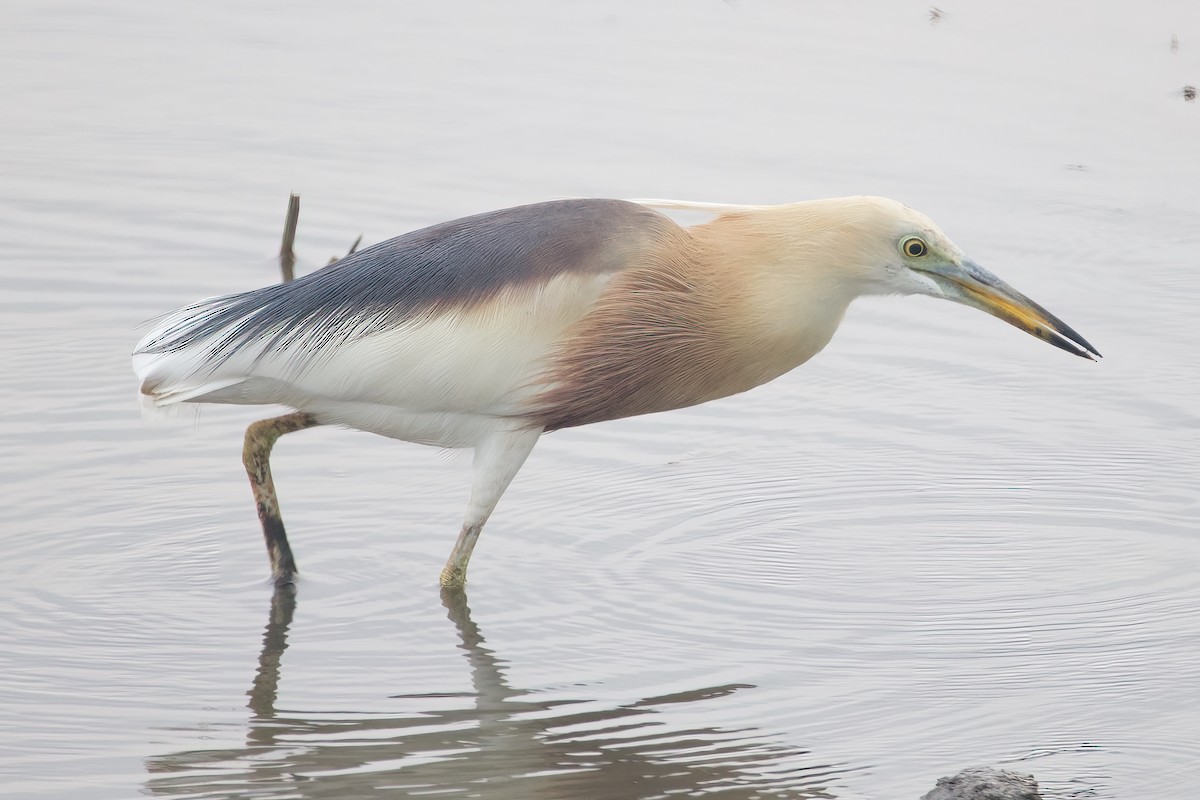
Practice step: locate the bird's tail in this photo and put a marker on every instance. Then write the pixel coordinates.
(174, 368)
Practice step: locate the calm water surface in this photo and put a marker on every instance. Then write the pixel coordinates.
(940, 544)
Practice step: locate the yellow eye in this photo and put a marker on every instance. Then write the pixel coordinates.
(914, 247)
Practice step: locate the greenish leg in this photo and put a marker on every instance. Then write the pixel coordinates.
(454, 574)
(256, 455)
(497, 459)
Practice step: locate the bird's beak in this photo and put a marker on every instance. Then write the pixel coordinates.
(972, 285)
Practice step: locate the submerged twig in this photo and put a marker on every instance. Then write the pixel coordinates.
(349, 252)
(287, 255)
(287, 252)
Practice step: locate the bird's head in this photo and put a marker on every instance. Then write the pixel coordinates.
(826, 252)
(909, 254)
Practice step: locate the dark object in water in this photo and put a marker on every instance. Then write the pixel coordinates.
(985, 783)
(935, 15)
(1189, 93)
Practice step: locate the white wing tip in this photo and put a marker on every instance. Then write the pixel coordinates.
(168, 382)
(157, 412)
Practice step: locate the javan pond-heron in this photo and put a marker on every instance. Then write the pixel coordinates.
(488, 331)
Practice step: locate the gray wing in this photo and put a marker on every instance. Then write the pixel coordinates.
(454, 265)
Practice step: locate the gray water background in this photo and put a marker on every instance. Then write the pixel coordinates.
(941, 543)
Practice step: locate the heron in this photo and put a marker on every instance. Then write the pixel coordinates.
(488, 331)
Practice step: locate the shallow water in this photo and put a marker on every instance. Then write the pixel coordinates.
(939, 544)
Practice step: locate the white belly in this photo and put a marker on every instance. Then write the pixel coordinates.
(442, 429)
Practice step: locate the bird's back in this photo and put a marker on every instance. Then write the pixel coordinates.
(457, 317)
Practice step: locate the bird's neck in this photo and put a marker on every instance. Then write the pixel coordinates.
(785, 300)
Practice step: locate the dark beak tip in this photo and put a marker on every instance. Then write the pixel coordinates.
(1072, 343)
(1083, 346)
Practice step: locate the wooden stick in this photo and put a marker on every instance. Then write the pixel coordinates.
(287, 255)
(350, 252)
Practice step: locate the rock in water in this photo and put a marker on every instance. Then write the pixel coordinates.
(985, 783)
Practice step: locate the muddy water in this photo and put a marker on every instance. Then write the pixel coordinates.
(941, 543)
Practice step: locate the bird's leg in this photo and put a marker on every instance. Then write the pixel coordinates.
(497, 459)
(256, 455)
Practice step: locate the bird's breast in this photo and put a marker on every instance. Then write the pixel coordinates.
(658, 339)
(699, 322)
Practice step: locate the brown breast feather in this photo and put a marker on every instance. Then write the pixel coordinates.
(662, 336)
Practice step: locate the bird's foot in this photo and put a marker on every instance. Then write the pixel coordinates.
(453, 577)
(284, 577)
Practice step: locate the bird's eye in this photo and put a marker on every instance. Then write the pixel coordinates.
(914, 247)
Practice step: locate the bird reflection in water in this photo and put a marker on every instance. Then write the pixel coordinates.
(506, 744)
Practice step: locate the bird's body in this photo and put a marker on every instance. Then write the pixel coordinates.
(487, 331)
(556, 314)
